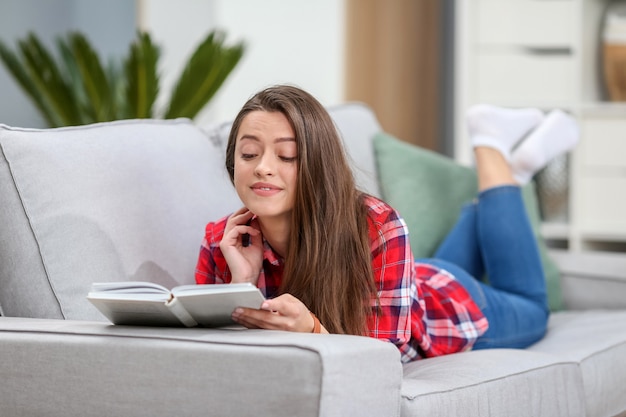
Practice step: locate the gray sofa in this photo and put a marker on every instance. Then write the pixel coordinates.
(129, 200)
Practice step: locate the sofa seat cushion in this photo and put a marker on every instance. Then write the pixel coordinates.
(125, 200)
(497, 382)
(596, 340)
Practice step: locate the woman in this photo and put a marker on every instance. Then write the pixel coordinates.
(329, 258)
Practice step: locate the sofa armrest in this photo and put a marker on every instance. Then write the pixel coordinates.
(592, 280)
(72, 368)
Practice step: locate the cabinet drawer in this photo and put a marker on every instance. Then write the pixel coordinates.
(525, 77)
(604, 143)
(603, 204)
(526, 22)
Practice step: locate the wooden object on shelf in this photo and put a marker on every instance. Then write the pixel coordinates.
(615, 70)
(614, 50)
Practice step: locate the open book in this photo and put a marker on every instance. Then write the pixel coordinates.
(149, 304)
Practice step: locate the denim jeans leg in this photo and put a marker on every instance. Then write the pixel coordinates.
(514, 321)
(517, 302)
(460, 247)
(495, 237)
(508, 246)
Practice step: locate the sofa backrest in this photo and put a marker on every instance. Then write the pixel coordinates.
(358, 125)
(124, 200)
(114, 201)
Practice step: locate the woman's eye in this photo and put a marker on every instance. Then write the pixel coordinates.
(288, 158)
(247, 156)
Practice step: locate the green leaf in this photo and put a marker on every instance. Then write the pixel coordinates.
(73, 79)
(46, 77)
(17, 69)
(117, 86)
(94, 80)
(209, 66)
(142, 78)
(79, 90)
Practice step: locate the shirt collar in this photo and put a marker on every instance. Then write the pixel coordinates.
(271, 256)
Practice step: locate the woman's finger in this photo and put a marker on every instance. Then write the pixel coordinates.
(240, 217)
(235, 233)
(258, 319)
(284, 312)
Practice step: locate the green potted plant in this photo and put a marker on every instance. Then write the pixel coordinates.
(75, 88)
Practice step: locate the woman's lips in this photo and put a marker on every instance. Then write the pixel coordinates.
(264, 189)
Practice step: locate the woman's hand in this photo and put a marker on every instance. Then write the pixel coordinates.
(242, 246)
(284, 312)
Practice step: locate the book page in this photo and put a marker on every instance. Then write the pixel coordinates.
(129, 287)
(135, 312)
(212, 305)
(213, 288)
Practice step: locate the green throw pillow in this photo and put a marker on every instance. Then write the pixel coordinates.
(429, 189)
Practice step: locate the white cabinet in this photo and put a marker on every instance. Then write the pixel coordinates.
(547, 54)
(506, 22)
(600, 176)
(547, 77)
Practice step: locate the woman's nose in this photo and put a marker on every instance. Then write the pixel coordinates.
(265, 166)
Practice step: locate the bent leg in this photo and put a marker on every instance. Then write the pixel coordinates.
(517, 306)
(460, 246)
(514, 321)
(495, 236)
(508, 245)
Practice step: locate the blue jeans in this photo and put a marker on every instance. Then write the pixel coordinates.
(493, 238)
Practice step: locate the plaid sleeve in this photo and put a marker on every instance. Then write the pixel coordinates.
(450, 319)
(212, 267)
(424, 311)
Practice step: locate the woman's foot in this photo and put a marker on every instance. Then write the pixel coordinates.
(556, 135)
(500, 128)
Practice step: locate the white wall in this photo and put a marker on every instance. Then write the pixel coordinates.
(288, 41)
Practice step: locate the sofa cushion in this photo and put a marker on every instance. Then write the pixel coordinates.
(596, 341)
(429, 189)
(495, 382)
(74, 368)
(115, 201)
(591, 280)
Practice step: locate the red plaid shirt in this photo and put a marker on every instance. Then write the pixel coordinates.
(423, 310)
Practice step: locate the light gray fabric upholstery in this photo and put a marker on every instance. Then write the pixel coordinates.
(493, 383)
(358, 140)
(107, 202)
(124, 371)
(592, 280)
(22, 271)
(596, 341)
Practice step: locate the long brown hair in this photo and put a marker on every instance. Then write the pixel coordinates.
(328, 262)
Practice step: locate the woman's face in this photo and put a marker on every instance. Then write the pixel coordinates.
(265, 164)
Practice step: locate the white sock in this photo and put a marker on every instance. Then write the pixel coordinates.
(500, 128)
(557, 134)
